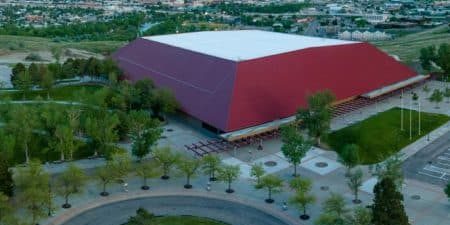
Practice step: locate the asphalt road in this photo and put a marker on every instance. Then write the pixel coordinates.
(416, 163)
(227, 211)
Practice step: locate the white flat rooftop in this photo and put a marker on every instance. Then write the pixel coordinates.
(240, 45)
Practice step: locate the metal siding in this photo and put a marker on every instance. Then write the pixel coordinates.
(274, 87)
(202, 84)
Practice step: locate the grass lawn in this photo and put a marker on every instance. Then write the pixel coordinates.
(380, 136)
(176, 220)
(408, 47)
(68, 93)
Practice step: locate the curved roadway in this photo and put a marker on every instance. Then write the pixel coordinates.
(228, 210)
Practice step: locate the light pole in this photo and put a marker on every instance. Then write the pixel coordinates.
(401, 111)
(419, 115)
(410, 120)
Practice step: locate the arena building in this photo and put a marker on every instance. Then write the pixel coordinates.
(239, 82)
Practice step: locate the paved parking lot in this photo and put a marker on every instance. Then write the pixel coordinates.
(431, 164)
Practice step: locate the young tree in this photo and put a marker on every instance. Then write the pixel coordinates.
(257, 171)
(47, 82)
(388, 204)
(317, 117)
(273, 184)
(56, 52)
(294, 146)
(144, 132)
(392, 169)
(105, 176)
(146, 170)
(335, 204)
(427, 55)
(436, 97)
(349, 156)
(228, 174)
(70, 182)
(210, 166)
(166, 159)
(302, 197)
(189, 167)
(121, 165)
(32, 184)
(354, 183)
(426, 89)
(360, 216)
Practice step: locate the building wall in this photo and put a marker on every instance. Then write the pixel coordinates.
(274, 87)
(202, 84)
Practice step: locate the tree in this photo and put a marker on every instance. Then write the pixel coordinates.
(335, 204)
(436, 97)
(189, 167)
(70, 182)
(273, 184)
(47, 82)
(143, 93)
(56, 52)
(443, 58)
(447, 94)
(100, 126)
(349, 156)
(65, 141)
(22, 124)
(426, 89)
(228, 174)
(145, 132)
(415, 97)
(163, 102)
(257, 171)
(447, 190)
(24, 83)
(329, 219)
(316, 118)
(32, 184)
(427, 55)
(360, 216)
(354, 183)
(392, 169)
(302, 197)
(16, 70)
(121, 165)
(388, 204)
(145, 170)
(294, 146)
(166, 159)
(210, 166)
(6, 180)
(33, 70)
(6, 211)
(105, 176)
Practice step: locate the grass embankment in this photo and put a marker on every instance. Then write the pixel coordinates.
(65, 93)
(380, 136)
(408, 47)
(24, 43)
(178, 220)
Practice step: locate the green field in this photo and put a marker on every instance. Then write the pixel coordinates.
(176, 220)
(66, 93)
(408, 47)
(23, 43)
(380, 137)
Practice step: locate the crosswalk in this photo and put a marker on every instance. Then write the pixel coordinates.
(439, 169)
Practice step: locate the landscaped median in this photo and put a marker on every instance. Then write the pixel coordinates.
(381, 136)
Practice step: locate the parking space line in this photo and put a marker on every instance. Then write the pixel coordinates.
(444, 164)
(444, 158)
(426, 174)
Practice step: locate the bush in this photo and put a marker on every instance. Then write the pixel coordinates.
(33, 57)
